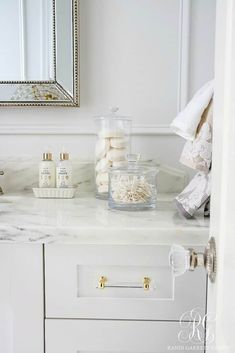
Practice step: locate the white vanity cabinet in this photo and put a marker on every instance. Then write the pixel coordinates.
(122, 315)
(53, 299)
(21, 298)
(94, 336)
(73, 274)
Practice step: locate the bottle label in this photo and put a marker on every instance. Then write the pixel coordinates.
(64, 177)
(46, 178)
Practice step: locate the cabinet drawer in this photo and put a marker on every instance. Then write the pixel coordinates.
(86, 336)
(118, 282)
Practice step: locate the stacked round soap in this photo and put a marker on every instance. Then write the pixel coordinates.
(110, 151)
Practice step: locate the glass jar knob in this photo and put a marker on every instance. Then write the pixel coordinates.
(133, 159)
(114, 110)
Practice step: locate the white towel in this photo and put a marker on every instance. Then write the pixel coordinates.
(195, 195)
(186, 122)
(197, 154)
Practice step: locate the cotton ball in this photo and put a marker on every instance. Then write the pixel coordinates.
(102, 178)
(103, 165)
(103, 189)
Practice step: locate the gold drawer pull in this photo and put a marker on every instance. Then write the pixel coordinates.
(146, 283)
(102, 284)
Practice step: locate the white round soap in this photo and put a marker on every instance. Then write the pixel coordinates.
(103, 165)
(116, 154)
(102, 179)
(103, 189)
(101, 148)
(109, 133)
(118, 142)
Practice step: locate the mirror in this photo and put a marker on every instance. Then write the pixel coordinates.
(39, 52)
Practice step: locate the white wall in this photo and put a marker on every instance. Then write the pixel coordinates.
(130, 58)
(202, 43)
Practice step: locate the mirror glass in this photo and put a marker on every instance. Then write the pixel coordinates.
(39, 52)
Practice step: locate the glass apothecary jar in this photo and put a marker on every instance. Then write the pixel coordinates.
(133, 187)
(112, 147)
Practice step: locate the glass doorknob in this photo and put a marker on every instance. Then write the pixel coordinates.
(182, 260)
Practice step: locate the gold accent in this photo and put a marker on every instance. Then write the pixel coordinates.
(102, 282)
(47, 156)
(35, 92)
(193, 260)
(64, 156)
(1, 191)
(146, 283)
(49, 96)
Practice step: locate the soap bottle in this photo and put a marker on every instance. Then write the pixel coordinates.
(47, 171)
(64, 172)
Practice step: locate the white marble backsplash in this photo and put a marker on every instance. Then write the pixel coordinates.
(21, 174)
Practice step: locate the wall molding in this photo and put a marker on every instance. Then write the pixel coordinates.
(145, 129)
(184, 53)
(138, 130)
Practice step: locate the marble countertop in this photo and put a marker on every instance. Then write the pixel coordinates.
(85, 220)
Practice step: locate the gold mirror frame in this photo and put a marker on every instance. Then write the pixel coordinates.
(72, 101)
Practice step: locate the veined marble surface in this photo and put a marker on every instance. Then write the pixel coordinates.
(85, 220)
(21, 174)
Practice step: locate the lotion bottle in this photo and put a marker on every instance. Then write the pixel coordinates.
(64, 172)
(47, 171)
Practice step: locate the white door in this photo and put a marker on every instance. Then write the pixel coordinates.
(221, 295)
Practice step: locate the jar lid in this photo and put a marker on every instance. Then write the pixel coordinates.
(133, 166)
(113, 115)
